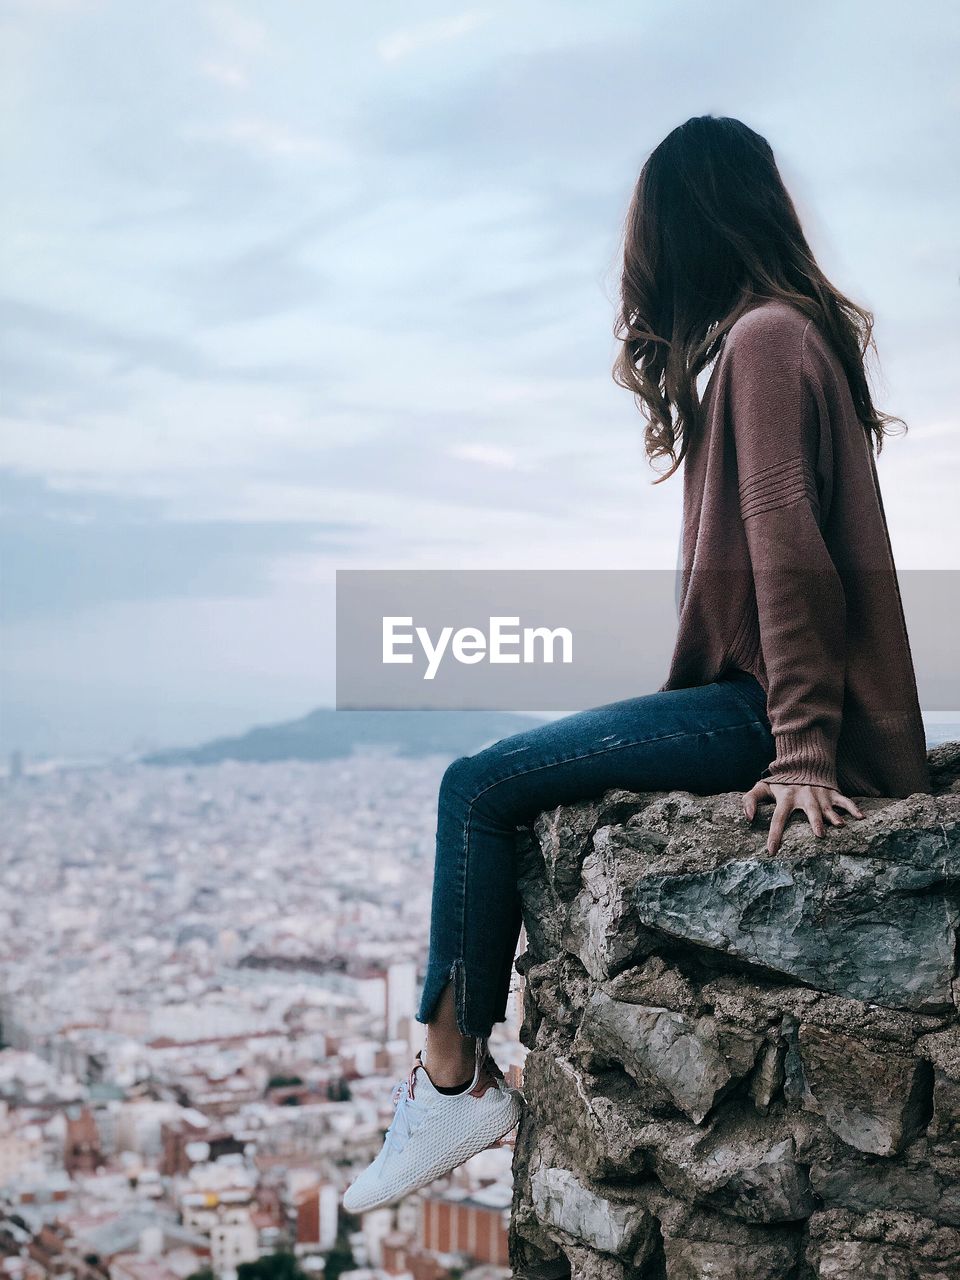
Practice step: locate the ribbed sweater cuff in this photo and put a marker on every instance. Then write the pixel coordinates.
(803, 759)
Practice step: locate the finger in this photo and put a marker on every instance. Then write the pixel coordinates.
(815, 818)
(777, 824)
(843, 803)
(757, 794)
(832, 816)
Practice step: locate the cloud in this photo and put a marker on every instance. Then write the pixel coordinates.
(265, 279)
(293, 286)
(53, 331)
(230, 76)
(61, 368)
(262, 136)
(401, 44)
(237, 30)
(65, 552)
(488, 455)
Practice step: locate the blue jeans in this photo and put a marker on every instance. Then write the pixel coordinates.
(715, 737)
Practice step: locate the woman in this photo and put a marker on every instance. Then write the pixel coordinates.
(791, 679)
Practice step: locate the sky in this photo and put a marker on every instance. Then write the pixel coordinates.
(296, 286)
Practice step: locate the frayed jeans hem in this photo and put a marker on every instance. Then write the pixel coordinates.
(434, 984)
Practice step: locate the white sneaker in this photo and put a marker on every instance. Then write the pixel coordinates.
(432, 1133)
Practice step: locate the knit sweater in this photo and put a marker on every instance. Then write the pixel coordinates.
(788, 572)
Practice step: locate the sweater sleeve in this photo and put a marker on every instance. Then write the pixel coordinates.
(781, 445)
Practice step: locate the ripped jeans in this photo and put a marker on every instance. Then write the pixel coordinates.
(715, 737)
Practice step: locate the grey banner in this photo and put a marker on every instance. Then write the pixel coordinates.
(557, 640)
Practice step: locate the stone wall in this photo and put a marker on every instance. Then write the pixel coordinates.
(741, 1067)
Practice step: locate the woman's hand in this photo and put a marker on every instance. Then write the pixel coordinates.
(818, 803)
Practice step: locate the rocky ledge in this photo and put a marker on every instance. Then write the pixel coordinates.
(741, 1067)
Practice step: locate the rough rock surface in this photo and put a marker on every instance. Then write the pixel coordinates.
(741, 1067)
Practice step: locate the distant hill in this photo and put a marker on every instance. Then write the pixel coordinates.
(326, 734)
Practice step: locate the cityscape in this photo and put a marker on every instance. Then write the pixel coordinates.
(208, 982)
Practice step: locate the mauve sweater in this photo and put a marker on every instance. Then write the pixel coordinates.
(787, 568)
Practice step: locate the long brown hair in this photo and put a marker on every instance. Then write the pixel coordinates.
(711, 232)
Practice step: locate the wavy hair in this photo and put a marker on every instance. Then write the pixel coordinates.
(711, 232)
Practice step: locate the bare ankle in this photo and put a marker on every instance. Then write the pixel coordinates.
(449, 1065)
(449, 1056)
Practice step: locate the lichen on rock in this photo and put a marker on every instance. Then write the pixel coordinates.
(741, 1066)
